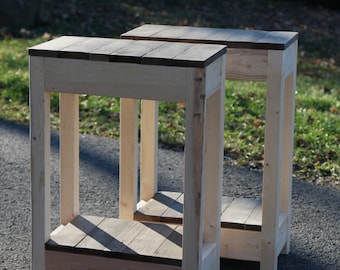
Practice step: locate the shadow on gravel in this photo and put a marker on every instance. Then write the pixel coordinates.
(89, 153)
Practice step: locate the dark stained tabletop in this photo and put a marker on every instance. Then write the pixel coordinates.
(233, 38)
(129, 51)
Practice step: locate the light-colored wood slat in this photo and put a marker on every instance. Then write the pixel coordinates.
(149, 149)
(119, 238)
(247, 64)
(213, 171)
(69, 157)
(194, 173)
(272, 169)
(100, 77)
(159, 203)
(255, 218)
(152, 210)
(128, 158)
(238, 211)
(155, 209)
(73, 233)
(240, 244)
(172, 245)
(288, 142)
(56, 260)
(175, 210)
(226, 201)
(40, 161)
(149, 239)
(112, 235)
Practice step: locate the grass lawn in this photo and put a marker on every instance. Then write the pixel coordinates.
(317, 120)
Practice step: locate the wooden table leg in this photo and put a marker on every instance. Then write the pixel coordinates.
(149, 149)
(40, 162)
(69, 157)
(272, 160)
(194, 175)
(128, 158)
(288, 139)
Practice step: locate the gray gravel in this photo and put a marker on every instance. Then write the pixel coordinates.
(315, 238)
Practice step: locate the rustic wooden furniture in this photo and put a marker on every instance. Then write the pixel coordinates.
(191, 73)
(256, 230)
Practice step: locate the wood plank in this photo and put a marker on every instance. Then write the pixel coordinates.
(129, 52)
(238, 212)
(69, 157)
(56, 260)
(82, 49)
(111, 235)
(240, 244)
(51, 48)
(272, 169)
(194, 173)
(114, 79)
(155, 209)
(172, 32)
(149, 239)
(103, 53)
(288, 143)
(149, 149)
(133, 52)
(233, 38)
(165, 54)
(200, 55)
(206, 35)
(118, 239)
(226, 201)
(74, 232)
(175, 210)
(128, 158)
(172, 245)
(247, 64)
(279, 40)
(255, 218)
(211, 256)
(40, 161)
(144, 31)
(213, 170)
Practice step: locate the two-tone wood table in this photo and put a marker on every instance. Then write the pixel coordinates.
(256, 230)
(175, 72)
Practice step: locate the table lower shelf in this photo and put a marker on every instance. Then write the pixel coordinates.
(241, 222)
(120, 239)
(236, 213)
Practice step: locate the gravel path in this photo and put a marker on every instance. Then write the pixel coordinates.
(315, 239)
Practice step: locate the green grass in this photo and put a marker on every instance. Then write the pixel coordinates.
(317, 128)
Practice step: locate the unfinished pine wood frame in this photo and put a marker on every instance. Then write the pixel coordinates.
(269, 57)
(130, 70)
